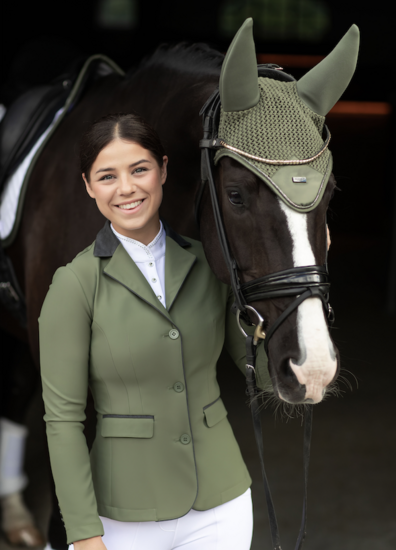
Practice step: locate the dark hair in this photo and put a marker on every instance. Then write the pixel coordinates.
(129, 127)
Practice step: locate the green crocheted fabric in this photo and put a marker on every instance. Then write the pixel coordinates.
(280, 127)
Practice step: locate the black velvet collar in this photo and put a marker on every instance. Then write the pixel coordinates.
(106, 242)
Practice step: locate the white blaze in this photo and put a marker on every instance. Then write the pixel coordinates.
(318, 364)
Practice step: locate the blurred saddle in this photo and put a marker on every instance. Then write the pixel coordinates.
(24, 130)
(31, 114)
(24, 122)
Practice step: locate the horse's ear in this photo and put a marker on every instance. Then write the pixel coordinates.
(238, 84)
(323, 86)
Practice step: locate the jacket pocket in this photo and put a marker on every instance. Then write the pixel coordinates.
(214, 412)
(117, 425)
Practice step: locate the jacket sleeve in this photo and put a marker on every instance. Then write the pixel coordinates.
(65, 334)
(235, 346)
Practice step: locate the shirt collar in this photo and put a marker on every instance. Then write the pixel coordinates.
(141, 252)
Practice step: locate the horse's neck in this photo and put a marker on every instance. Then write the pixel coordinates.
(162, 94)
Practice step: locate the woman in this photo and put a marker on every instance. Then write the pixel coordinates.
(140, 318)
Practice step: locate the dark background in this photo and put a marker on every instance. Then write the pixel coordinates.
(353, 479)
(126, 30)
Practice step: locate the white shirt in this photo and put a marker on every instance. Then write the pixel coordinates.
(150, 259)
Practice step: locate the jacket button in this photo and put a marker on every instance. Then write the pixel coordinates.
(185, 439)
(178, 386)
(174, 334)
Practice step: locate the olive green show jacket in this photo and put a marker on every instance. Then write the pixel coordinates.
(163, 442)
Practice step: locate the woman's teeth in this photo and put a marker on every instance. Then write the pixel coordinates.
(130, 205)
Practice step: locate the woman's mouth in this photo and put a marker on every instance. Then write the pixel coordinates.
(130, 205)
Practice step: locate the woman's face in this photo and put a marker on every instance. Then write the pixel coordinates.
(126, 182)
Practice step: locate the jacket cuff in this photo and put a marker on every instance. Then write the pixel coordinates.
(85, 532)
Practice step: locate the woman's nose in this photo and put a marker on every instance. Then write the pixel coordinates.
(126, 186)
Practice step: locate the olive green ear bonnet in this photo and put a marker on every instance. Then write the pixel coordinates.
(274, 128)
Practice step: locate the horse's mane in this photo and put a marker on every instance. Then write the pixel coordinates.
(196, 59)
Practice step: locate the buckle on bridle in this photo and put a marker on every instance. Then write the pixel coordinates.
(259, 333)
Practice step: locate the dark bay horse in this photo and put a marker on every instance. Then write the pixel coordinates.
(265, 235)
(59, 219)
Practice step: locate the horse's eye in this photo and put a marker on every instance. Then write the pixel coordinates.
(235, 198)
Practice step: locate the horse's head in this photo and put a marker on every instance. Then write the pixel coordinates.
(274, 184)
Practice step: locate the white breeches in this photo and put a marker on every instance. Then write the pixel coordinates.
(226, 527)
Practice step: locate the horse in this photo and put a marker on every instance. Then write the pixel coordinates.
(264, 234)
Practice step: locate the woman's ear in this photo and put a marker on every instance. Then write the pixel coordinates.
(88, 187)
(164, 169)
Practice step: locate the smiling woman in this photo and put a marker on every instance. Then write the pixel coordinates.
(143, 323)
(124, 177)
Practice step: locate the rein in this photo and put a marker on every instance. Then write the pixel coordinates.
(301, 282)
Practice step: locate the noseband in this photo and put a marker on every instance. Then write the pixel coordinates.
(299, 282)
(302, 282)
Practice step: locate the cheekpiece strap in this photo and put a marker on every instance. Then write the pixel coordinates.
(210, 113)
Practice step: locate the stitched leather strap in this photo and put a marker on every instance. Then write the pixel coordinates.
(290, 282)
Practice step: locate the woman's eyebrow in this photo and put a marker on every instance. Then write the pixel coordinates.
(139, 162)
(130, 166)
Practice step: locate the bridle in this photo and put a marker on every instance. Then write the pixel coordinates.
(300, 282)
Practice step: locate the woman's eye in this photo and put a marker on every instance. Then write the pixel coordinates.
(235, 198)
(139, 170)
(107, 177)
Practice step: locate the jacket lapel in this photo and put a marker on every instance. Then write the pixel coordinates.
(121, 268)
(178, 264)
(124, 270)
